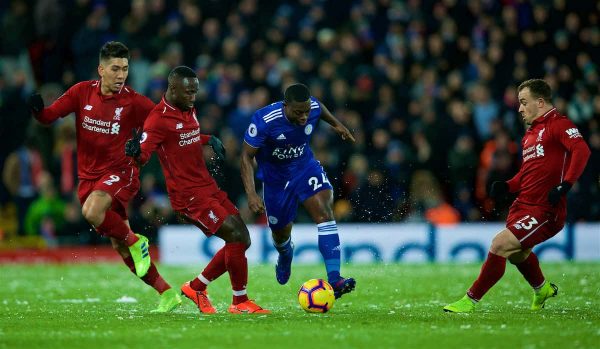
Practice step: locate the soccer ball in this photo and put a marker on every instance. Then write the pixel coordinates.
(316, 296)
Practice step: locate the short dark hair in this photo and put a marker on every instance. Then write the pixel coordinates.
(296, 93)
(538, 89)
(114, 49)
(182, 72)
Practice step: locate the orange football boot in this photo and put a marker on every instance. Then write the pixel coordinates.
(247, 307)
(198, 297)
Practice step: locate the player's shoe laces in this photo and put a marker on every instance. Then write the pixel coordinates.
(169, 300)
(140, 255)
(549, 290)
(463, 305)
(283, 268)
(247, 307)
(343, 286)
(200, 298)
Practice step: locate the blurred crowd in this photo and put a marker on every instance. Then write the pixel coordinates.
(427, 86)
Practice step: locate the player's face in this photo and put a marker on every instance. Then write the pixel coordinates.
(113, 73)
(297, 112)
(184, 93)
(529, 107)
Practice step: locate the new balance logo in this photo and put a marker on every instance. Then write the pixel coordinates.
(88, 107)
(179, 126)
(281, 137)
(573, 132)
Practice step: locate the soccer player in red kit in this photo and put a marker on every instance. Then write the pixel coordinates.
(554, 156)
(106, 111)
(172, 130)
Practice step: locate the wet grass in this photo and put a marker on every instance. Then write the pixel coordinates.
(394, 306)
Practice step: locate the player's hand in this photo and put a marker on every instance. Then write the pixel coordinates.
(133, 147)
(557, 192)
(35, 103)
(256, 204)
(499, 189)
(217, 146)
(344, 133)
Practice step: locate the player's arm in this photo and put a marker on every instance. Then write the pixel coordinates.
(247, 170)
(568, 135)
(63, 106)
(143, 144)
(337, 125)
(215, 143)
(514, 184)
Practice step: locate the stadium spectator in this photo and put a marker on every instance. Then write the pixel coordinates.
(379, 65)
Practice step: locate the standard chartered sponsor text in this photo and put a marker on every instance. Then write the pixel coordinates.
(185, 137)
(96, 125)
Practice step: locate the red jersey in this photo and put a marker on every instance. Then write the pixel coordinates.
(553, 152)
(103, 124)
(175, 135)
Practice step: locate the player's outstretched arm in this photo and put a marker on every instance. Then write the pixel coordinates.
(247, 170)
(337, 125)
(63, 106)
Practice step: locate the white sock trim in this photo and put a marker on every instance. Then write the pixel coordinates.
(324, 224)
(538, 288)
(204, 280)
(283, 243)
(239, 293)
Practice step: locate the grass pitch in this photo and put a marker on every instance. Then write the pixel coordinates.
(393, 306)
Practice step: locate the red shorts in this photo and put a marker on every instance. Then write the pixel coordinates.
(533, 224)
(121, 185)
(209, 211)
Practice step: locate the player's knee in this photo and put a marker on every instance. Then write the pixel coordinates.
(92, 213)
(242, 237)
(499, 247)
(324, 216)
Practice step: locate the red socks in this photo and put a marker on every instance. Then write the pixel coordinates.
(114, 227)
(215, 268)
(492, 270)
(231, 258)
(153, 278)
(530, 268)
(237, 266)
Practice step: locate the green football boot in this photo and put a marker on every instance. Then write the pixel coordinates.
(140, 255)
(463, 305)
(540, 296)
(169, 300)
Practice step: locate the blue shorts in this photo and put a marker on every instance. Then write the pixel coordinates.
(281, 199)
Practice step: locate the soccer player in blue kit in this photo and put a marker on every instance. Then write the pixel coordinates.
(278, 137)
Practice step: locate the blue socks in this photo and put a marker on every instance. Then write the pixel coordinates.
(329, 245)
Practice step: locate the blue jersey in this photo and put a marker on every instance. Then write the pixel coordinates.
(284, 147)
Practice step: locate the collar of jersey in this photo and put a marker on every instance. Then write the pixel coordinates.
(544, 117)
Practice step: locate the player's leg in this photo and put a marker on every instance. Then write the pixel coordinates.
(169, 298)
(237, 241)
(504, 245)
(196, 289)
(281, 205)
(319, 207)
(98, 209)
(282, 240)
(529, 266)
